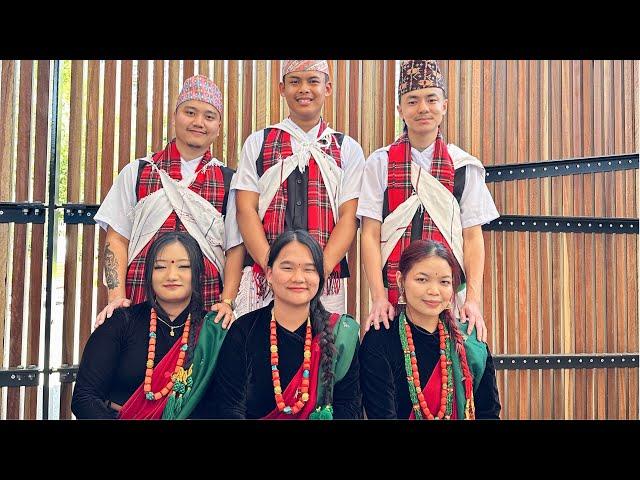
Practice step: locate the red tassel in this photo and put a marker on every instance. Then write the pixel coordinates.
(260, 281)
(393, 296)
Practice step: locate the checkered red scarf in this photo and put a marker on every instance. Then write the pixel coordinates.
(209, 184)
(320, 222)
(400, 188)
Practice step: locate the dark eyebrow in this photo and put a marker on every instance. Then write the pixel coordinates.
(289, 262)
(428, 275)
(191, 107)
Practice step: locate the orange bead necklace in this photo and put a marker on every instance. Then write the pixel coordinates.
(151, 354)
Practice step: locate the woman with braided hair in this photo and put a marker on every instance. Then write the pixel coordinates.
(291, 359)
(425, 366)
(154, 360)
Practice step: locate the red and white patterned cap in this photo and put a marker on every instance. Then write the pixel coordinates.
(201, 88)
(290, 66)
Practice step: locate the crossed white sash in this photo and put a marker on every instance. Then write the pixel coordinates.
(201, 219)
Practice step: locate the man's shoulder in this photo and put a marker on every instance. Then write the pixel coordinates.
(225, 169)
(256, 137)
(462, 158)
(381, 153)
(348, 140)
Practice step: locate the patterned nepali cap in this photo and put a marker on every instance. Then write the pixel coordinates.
(200, 88)
(289, 66)
(417, 74)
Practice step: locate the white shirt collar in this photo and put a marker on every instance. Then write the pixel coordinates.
(426, 154)
(196, 161)
(313, 133)
(191, 162)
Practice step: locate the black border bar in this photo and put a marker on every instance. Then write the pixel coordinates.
(527, 223)
(564, 361)
(75, 213)
(22, 212)
(16, 377)
(556, 168)
(20, 377)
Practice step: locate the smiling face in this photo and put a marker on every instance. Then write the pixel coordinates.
(293, 276)
(428, 288)
(305, 93)
(423, 110)
(171, 277)
(197, 124)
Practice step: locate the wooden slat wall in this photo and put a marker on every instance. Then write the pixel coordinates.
(543, 293)
(19, 249)
(562, 300)
(90, 171)
(107, 159)
(37, 232)
(7, 121)
(76, 100)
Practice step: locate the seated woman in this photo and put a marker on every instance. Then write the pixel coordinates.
(153, 360)
(291, 359)
(424, 366)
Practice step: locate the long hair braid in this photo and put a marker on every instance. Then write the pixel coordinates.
(454, 331)
(321, 325)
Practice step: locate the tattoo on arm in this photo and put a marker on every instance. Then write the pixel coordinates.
(110, 268)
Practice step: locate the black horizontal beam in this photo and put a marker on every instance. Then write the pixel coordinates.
(526, 223)
(75, 213)
(19, 376)
(68, 373)
(556, 168)
(22, 212)
(566, 361)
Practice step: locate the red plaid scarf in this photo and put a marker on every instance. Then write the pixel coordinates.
(400, 188)
(320, 223)
(209, 184)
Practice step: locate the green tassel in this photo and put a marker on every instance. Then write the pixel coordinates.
(169, 407)
(322, 413)
(178, 406)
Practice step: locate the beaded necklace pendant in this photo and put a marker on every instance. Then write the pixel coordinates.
(419, 404)
(151, 354)
(302, 390)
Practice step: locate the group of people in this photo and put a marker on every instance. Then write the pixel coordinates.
(227, 289)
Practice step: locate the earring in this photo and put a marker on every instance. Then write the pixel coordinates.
(401, 299)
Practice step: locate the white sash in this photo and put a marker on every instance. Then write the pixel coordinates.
(439, 203)
(273, 177)
(201, 219)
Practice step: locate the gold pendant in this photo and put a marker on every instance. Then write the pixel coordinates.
(171, 332)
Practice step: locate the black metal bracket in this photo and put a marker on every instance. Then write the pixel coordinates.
(20, 376)
(564, 361)
(75, 213)
(68, 373)
(525, 223)
(22, 212)
(556, 168)
(29, 377)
